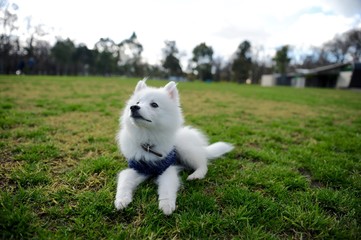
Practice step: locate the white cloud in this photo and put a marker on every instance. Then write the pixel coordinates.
(312, 30)
(348, 8)
(221, 24)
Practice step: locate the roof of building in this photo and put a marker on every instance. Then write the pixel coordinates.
(323, 68)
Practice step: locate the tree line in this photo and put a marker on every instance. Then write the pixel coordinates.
(107, 57)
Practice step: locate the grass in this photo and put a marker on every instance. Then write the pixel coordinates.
(294, 174)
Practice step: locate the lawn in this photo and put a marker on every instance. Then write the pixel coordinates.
(295, 172)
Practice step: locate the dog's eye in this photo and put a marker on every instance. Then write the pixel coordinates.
(138, 102)
(154, 105)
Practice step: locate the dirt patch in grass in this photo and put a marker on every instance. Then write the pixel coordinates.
(75, 129)
(307, 174)
(209, 103)
(269, 109)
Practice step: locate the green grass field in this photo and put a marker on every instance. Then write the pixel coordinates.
(295, 172)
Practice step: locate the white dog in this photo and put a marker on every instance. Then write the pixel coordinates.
(155, 143)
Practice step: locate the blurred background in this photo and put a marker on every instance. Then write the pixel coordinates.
(302, 43)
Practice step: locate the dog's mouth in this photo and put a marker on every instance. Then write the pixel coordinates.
(136, 115)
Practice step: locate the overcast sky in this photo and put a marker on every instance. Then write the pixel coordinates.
(222, 24)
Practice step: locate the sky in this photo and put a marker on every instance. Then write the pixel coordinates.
(221, 24)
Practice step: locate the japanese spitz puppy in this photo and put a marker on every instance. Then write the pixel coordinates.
(156, 144)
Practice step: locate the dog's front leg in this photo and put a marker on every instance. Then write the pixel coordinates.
(128, 180)
(168, 185)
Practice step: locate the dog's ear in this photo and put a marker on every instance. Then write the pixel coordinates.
(172, 90)
(141, 85)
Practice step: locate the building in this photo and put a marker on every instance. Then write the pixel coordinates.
(339, 75)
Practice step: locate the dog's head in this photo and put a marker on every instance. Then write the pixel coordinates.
(154, 108)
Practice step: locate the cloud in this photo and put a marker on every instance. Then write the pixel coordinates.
(313, 30)
(347, 8)
(248, 33)
(221, 24)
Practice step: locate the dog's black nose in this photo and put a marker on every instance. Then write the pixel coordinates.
(134, 108)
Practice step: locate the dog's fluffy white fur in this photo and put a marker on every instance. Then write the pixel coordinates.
(159, 122)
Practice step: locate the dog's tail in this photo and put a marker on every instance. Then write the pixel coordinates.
(218, 149)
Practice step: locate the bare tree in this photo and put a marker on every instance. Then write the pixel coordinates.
(202, 61)
(354, 39)
(130, 51)
(171, 60)
(9, 43)
(242, 63)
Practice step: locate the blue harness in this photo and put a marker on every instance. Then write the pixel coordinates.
(154, 168)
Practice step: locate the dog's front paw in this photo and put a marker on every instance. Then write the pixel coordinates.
(200, 173)
(122, 202)
(196, 175)
(167, 206)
